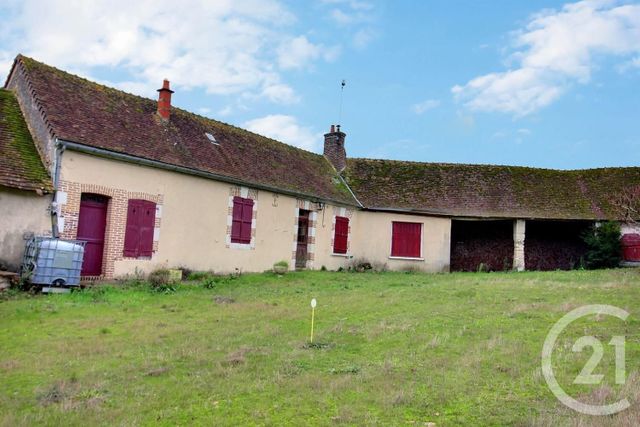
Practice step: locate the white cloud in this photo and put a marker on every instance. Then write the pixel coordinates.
(424, 106)
(518, 136)
(353, 4)
(224, 47)
(280, 93)
(286, 129)
(299, 52)
(555, 50)
(350, 12)
(363, 37)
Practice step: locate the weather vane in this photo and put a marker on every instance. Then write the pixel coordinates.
(342, 85)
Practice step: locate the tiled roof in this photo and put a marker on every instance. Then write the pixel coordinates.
(91, 114)
(488, 191)
(20, 164)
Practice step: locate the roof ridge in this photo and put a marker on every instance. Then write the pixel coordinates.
(19, 61)
(173, 107)
(82, 111)
(490, 165)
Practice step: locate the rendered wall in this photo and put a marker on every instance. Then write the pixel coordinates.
(372, 241)
(22, 213)
(193, 221)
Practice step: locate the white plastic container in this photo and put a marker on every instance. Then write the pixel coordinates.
(53, 262)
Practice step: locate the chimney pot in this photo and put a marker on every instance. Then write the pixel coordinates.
(334, 148)
(164, 100)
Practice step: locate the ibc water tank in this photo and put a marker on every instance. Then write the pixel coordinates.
(49, 261)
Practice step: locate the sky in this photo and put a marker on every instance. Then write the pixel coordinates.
(535, 83)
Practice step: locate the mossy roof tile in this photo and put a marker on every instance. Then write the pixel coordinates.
(91, 114)
(489, 190)
(20, 163)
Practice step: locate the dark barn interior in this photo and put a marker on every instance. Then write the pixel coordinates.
(486, 245)
(554, 245)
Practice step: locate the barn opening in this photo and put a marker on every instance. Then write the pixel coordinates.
(482, 245)
(555, 245)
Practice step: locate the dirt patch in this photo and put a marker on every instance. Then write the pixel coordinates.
(70, 395)
(317, 345)
(219, 299)
(57, 393)
(156, 372)
(9, 365)
(237, 358)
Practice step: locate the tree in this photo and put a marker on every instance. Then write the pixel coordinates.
(627, 205)
(603, 245)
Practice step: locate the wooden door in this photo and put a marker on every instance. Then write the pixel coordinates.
(303, 239)
(92, 223)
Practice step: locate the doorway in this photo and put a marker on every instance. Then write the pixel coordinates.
(303, 239)
(92, 223)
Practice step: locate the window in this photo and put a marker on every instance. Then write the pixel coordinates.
(141, 219)
(241, 221)
(341, 235)
(406, 239)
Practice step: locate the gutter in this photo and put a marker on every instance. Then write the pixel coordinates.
(56, 183)
(409, 211)
(100, 152)
(470, 217)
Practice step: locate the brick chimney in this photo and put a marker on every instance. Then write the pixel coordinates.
(164, 100)
(334, 148)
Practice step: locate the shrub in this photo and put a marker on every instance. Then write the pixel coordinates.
(281, 267)
(160, 281)
(603, 246)
(186, 272)
(209, 283)
(200, 275)
(135, 280)
(361, 265)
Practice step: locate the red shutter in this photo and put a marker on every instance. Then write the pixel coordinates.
(241, 221)
(247, 219)
(138, 238)
(415, 239)
(147, 225)
(395, 239)
(406, 239)
(236, 221)
(340, 238)
(132, 231)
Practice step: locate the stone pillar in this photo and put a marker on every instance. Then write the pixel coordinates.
(518, 244)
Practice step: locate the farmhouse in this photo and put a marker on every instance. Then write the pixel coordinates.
(148, 185)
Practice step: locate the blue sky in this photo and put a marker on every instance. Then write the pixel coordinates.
(544, 83)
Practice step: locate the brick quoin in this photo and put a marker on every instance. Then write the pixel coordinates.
(116, 218)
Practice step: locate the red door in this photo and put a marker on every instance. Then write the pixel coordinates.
(91, 227)
(303, 239)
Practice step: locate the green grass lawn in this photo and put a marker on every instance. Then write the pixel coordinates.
(390, 349)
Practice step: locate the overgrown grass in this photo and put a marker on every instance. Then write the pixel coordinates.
(390, 348)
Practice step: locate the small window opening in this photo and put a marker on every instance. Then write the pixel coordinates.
(211, 138)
